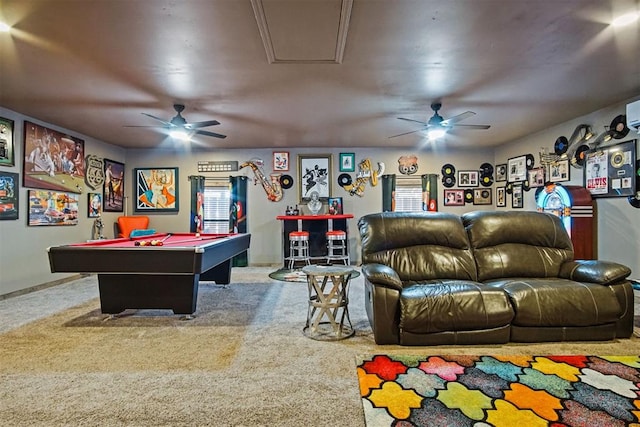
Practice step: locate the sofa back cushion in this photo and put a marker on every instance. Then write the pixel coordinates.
(517, 243)
(418, 246)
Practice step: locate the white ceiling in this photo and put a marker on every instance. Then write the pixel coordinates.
(315, 73)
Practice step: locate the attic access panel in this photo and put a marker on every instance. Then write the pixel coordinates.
(611, 171)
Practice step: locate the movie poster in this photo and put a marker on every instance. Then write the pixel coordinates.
(597, 173)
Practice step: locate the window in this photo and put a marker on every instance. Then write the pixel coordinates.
(408, 196)
(217, 200)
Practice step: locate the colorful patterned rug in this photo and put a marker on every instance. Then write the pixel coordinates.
(523, 391)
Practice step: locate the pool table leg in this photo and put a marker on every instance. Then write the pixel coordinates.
(221, 273)
(119, 292)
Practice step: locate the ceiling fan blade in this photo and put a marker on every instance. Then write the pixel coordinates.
(458, 118)
(207, 133)
(137, 126)
(407, 133)
(471, 126)
(159, 119)
(201, 124)
(415, 121)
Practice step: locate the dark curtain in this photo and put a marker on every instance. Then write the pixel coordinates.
(197, 203)
(238, 214)
(430, 192)
(388, 193)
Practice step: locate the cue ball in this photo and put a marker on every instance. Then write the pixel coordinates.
(197, 234)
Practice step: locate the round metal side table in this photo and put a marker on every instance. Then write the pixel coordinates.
(328, 312)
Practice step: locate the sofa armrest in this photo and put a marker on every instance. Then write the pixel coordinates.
(594, 271)
(382, 275)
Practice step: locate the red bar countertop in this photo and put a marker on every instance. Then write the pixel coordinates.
(314, 217)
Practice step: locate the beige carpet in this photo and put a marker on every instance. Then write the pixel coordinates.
(243, 361)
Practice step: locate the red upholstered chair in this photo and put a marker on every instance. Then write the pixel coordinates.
(126, 224)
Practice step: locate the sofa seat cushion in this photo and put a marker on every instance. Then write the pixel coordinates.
(452, 305)
(552, 302)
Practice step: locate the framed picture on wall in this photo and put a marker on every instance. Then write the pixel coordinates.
(559, 171)
(6, 142)
(94, 201)
(536, 177)
(501, 198)
(52, 160)
(501, 172)
(347, 162)
(467, 178)
(9, 185)
(454, 197)
(612, 171)
(48, 207)
(113, 187)
(314, 176)
(517, 169)
(155, 190)
(281, 161)
(517, 197)
(482, 196)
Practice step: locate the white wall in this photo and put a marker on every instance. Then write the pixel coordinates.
(618, 222)
(266, 241)
(23, 256)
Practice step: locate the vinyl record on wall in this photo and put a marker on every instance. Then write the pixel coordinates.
(526, 186)
(486, 169)
(508, 188)
(448, 170)
(486, 180)
(468, 196)
(619, 126)
(580, 156)
(448, 181)
(561, 145)
(530, 161)
(344, 179)
(286, 181)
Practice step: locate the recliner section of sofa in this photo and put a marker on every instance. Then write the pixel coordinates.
(486, 277)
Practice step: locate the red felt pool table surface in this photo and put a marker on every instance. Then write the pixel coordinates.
(166, 276)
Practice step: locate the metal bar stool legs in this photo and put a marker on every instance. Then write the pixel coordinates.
(298, 248)
(337, 247)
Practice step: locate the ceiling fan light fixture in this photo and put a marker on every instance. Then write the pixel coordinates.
(436, 132)
(180, 135)
(626, 19)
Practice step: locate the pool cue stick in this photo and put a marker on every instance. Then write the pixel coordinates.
(195, 239)
(166, 237)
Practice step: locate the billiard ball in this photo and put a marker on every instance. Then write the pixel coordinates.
(137, 243)
(154, 242)
(197, 234)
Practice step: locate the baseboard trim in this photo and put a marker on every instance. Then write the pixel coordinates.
(42, 286)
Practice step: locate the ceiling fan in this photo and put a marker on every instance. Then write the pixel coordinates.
(179, 127)
(437, 126)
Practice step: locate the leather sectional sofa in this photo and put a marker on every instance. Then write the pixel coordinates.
(486, 277)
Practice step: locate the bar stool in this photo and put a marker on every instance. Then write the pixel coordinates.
(298, 248)
(337, 246)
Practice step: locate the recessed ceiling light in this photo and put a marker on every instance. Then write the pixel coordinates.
(4, 27)
(626, 19)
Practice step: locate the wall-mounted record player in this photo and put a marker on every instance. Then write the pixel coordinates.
(610, 171)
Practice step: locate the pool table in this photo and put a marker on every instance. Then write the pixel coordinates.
(164, 276)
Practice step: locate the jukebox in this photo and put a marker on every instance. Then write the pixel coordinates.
(574, 205)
